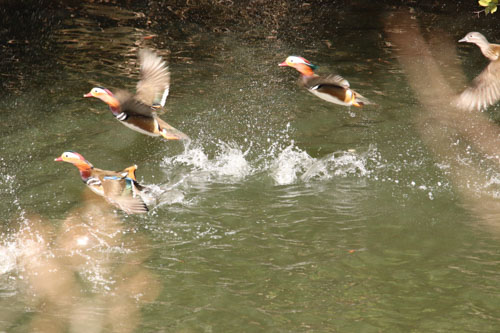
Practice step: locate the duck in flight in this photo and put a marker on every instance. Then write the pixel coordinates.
(331, 88)
(138, 111)
(484, 90)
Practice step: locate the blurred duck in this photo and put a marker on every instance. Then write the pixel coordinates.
(138, 111)
(332, 88)
(485, 88)
(118, 188)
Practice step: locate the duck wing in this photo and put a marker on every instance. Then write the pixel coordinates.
(117, 189)
(332, 88)
(483, 91)
(132, 106)
(122, 193)
(327, 82)
(154, 83)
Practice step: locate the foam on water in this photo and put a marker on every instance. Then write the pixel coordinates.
(283, 164)
(19, 245)
(228, 164)
(289, 162)
(8, 255)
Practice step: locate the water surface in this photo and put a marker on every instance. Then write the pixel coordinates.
(284, 213)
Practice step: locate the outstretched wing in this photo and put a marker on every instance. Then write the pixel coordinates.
(483, 91)
(318, 82)
(133, 107)
(154, 83)
(122, 193)
(330, 88)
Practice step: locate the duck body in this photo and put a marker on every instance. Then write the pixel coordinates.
(485, 88)
(138, 111)
(119, 188)
(333, 88)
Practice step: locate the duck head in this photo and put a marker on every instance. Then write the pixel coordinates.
(76, 159)
(104, 95)
(474, 37)
(304, 66)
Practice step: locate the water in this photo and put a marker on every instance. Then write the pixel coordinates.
(284, 213)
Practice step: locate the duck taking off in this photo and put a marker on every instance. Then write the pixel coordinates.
(119, 188)
(485, 88)
(331, 88)
(138, 111)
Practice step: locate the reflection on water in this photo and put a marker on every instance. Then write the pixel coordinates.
(284, 213)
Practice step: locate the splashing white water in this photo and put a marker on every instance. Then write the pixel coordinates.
(294, 164)
(8, 254)
(285, 165)
(341, 163)
(229, 163)
(289, 162)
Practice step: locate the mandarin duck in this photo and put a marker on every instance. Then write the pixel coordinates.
(331, 88)
(138, 111)
(485, 88)
(118, 188)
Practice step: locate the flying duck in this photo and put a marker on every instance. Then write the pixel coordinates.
(485, 88)
(138, 111)
(331, 88)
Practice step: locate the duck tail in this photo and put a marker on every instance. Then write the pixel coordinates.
(360, 100)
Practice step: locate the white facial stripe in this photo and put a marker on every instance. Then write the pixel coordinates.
(99, 90)
(297, 60)
(69, 154)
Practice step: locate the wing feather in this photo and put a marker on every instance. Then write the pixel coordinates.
(154, 83)
(483, 91)
(131, 106)
(123, 194)
(120, 191)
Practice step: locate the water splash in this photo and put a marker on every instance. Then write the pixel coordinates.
(9, 188)
(288, 164)
(284, 164)
(228, 164)
(341, 164)
(8, 254)
(293, 164)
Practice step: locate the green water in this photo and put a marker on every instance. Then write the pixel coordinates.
(284, 214)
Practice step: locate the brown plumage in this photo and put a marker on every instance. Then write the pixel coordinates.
(332, 88)
(138, 111)
(485, 88)
(119, 188)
